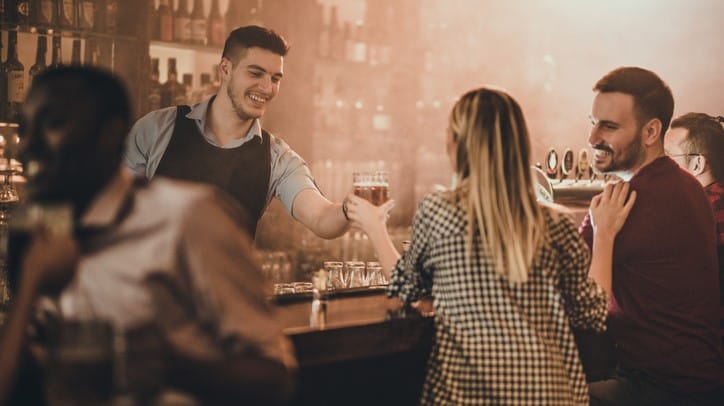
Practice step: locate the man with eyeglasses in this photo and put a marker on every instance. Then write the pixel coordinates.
(696, 142)
(664, 310)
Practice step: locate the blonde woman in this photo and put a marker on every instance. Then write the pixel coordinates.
(509, 276)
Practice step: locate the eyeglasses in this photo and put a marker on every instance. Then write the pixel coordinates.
(680, 155)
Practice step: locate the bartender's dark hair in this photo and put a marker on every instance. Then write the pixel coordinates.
(706, 137)
(251, 36)
(652, 96)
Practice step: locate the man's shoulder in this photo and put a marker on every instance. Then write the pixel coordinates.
(155, 118)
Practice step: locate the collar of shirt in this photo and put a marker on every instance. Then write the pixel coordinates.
(198, 114)
(112, 201)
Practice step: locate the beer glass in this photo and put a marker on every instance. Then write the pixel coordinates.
(375, 277)
(372, 186)
(356, 276)
(335, 274)
(80, 368)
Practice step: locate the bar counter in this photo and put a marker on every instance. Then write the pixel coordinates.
(370, 349)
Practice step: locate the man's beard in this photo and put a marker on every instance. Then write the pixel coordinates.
(631, 156)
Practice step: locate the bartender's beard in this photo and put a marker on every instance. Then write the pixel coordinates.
(237, 104)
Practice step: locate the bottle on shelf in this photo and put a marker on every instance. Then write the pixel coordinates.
(66, 13)
(39, 64)
(85, 13)
(185, 97)
(336, 41)
(198, 23)
(171, 88)
(3, 79)
(92, 52)
(23, 12)
(154, 88)
(14, 72)
(348, 41)
(165, 21)
(198, 94)
(153, 28)
(56, 59)
(75, 52)
(233, 15)
(109, 15)
(322, 33)
(216, 25)
(182, 22)
(42, 14)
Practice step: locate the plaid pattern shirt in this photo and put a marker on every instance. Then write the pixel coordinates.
(496, 342)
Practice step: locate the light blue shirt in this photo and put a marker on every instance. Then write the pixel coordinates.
(149, 138)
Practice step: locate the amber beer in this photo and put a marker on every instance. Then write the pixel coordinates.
(371, 186)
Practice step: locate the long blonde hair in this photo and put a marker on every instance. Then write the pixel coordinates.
(493, 169)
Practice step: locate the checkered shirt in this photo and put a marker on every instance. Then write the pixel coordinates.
(496, 342)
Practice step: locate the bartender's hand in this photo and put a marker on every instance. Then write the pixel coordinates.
(610, 208)
(50, 262)
(365, 215)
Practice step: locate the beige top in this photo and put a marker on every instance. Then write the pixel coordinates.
(171, 252)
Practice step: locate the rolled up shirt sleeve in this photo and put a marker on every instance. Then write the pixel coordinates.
(289, 174)
(147, 141)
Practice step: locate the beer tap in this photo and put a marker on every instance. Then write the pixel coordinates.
(567, 165)
(584, 165)
(552, 164)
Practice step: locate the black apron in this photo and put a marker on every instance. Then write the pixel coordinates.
(242, 172)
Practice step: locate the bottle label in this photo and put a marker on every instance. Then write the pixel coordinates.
(166, 28)
(183, 28)
(111, 15)
(87, 17)
(68, 11)
(46, 11)
(198, 31)
(217, 34)
(16, 86)
(23, 8)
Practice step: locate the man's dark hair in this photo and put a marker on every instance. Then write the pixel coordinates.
(251, 36)
(706, 137)
(652, 96)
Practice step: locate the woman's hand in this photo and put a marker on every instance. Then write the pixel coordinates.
(610, 208)
(366, 216)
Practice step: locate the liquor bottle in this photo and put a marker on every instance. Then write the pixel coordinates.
(92, 52)
(75, 52)
(14, 72)
(66, 14)
(217, 27)
(198, 23)
(336, 42)
(182, 23)
(185, 96)
(198, 94)
(107, 16)
(348, 41)
(323, 33)
(165, 21)
(86, 14)
(42, 14)
(56, 59)
(171, 88)
(3, 79)
(39, 65)
(23, 11)
(153, 28)
(154, 88)
(233, 15)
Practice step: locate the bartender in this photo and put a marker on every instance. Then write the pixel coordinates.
(220, 140)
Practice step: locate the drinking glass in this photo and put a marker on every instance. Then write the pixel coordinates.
(356, 274)
(335, 274)
(372, 186)
(375, 277)
(80, 367)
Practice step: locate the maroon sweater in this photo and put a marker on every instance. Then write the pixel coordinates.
(664, 314)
